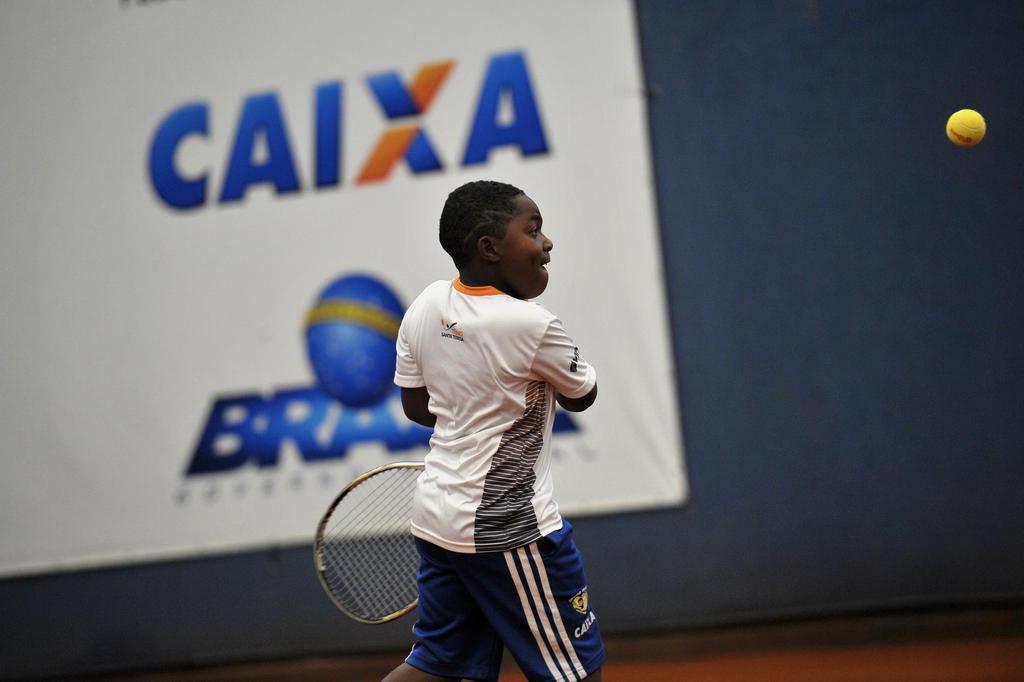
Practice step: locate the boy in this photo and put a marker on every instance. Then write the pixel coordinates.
(483, 366)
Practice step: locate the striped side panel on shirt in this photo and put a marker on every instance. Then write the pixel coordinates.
(505, 518)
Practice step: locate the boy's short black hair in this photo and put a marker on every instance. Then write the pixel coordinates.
(475, 209)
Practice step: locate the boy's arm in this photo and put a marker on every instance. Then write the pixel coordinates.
(415, 404)
(408, 375)
(578, 404)
(558, 361)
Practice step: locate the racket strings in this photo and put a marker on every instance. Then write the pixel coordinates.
(381, 593)
(362, 514)
(384, 591)
(369, 557)
(374, 571)
(368, 600)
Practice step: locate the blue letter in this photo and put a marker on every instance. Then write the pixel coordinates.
(232, 436)
(328, 137)
(260, 113)
(506, 74)
(393, 96)
(295, 415)
(172, 188)
(420, 155)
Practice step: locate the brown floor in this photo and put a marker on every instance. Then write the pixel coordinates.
(966, 646)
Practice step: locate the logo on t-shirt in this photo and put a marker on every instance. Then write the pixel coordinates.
(450, 331)
(573, 366)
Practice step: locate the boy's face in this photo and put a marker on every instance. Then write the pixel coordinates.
(524, 252)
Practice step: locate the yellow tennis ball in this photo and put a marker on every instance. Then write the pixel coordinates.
(965, 128)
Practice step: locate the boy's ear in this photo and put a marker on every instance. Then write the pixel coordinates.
(489, 249)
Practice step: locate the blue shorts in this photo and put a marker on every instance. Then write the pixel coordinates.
(532, 599)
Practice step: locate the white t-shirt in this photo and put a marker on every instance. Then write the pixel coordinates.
(492, 364)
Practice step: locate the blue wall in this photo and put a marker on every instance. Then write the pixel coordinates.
(848, 318)
(847, 295)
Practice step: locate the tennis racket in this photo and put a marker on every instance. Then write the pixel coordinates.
(364, 551)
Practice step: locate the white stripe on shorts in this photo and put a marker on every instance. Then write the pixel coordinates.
(555, 613)
(544, 651)
(544, 619)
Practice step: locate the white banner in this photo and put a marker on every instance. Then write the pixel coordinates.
(185, 181)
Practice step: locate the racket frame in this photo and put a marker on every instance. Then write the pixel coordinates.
(318, 543)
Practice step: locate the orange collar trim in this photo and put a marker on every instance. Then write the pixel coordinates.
(475, 291)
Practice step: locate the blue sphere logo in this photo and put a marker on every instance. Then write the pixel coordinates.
(350, 338)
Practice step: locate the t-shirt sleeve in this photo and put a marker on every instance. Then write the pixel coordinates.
(558, 362)
(407, 371)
